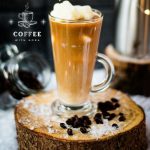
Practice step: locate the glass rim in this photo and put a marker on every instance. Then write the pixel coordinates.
(82, 20)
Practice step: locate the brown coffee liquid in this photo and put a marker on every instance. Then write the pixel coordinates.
(75, 46)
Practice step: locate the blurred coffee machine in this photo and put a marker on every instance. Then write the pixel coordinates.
(131, 51)
(133, 28)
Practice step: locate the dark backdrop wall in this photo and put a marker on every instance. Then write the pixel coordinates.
(9, 10)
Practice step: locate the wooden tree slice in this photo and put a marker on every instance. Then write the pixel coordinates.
(38, 129)
(132, 74)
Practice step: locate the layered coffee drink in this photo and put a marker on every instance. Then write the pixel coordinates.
(75, 42)
(75, 32)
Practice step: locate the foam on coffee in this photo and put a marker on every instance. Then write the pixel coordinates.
(66, 10)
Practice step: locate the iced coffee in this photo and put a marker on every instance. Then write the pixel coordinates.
(75, 32)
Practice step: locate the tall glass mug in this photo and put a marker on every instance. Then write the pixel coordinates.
(75, 46)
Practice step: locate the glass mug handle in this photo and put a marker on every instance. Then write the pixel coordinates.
(106, 62)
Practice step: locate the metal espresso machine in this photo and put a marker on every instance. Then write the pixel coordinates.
(131, 51)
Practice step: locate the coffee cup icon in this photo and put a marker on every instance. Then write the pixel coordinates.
(27, 19)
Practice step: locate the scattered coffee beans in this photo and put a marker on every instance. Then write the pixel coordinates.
(114, 100)
(84, 122)
(63, 125)
(122, 118)
(83, 130)
(98, 118)
(70, 132)
(115, 126)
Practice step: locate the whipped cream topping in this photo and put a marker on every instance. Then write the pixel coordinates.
(66, 10)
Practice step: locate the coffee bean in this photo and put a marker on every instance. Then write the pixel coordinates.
(109, 105)
(98, 118)
(122, 118)
(101, 106)
(69, 121)
(70, 132)
(85, 118)
(106, 115)
(85, 121)
(116, 105)
(98, 115)
(98, 121)
(75, 117)
(76, 124)
(115, 125)
(83, 130)
(121, 114)
(114, 100)
(105, 106)
(63, 125)
(112, 116)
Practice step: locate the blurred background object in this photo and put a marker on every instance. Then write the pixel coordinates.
(133, 28)
(20, 76)
(131, 51)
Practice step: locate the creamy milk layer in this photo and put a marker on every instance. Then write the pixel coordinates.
(66, 10)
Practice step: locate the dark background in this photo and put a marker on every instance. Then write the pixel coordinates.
(9, 9)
